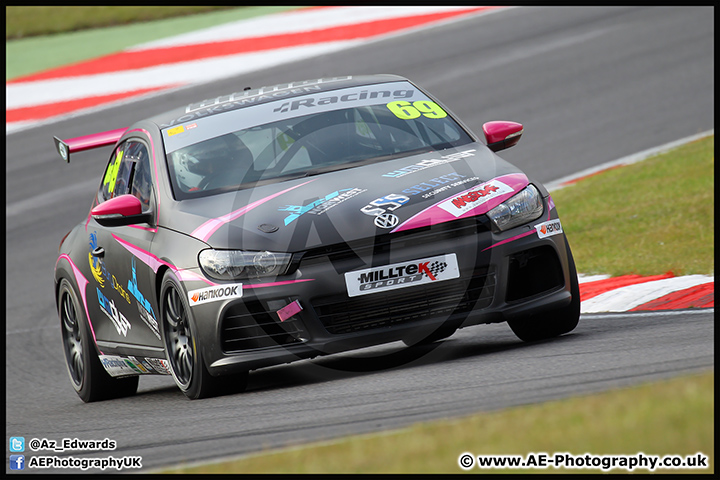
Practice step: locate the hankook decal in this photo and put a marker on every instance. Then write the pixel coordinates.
(548, 229)
(212, 294)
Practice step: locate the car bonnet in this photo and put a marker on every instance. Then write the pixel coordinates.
(352, 204)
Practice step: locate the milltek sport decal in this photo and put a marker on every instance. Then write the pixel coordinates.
(400, 275)
(212, 294)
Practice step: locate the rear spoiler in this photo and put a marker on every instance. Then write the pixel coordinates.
(87, 142)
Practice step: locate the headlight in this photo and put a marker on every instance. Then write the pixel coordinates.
(524, 207)
(233, 264)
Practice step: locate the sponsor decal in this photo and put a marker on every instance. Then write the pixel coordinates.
(433, 183)
(474, 197)
(386, 220)
(437, 191)
(136, 364)
(320, 206)
(116, 285)
(116, 366)
(147, 366)
(149, 320)
(401, 275)
(132, 365)
(407, 111)
(175, 130)
(352, 97)
(160, 365)
(548, 229)
(212, 294)
(424, 164)
(388, 203)
(112, 172)
(263, 93)
(118, 320)
(147, 314)
(97, 266)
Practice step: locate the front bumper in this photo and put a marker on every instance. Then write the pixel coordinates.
(502, 276)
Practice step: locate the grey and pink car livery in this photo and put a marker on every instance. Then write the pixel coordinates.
(304, 219)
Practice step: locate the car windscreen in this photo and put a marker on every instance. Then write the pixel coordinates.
(313, 134)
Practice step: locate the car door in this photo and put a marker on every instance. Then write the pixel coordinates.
(120, 255)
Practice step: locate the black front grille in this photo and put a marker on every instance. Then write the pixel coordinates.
(341, 314)
(249, 326)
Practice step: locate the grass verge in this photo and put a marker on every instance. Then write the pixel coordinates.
(647, 218)
(673, 417)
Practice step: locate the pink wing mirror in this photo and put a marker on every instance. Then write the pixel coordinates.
(121, 210)
(502, 135)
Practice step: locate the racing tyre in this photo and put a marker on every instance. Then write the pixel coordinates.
(87, 375)
(553, 323)
(181, 350)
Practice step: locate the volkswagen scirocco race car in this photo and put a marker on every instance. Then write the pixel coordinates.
(304, 219)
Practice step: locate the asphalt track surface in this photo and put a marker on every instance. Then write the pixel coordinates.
(590, 84)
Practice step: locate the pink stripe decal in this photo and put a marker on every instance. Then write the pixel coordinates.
(434, 214)
(512, 239)
(154, 262)
(205, 231)
(89, 216)
(147, 229)
(146, 257)
(551, 205)
(188, 276)
(82, 285)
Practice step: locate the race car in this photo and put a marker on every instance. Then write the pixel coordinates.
(291, 221)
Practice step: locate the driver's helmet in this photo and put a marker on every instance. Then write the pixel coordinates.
(224, 153)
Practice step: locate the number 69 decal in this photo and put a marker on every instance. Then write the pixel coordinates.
(407, 111)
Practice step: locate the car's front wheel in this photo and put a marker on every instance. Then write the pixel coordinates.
(555, 322)
(182, 350)
(87, 375)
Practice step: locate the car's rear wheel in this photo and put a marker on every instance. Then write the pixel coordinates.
(555, 322)
(182, 350)
(87, 375)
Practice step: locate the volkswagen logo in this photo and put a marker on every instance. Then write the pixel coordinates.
(386, 220)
